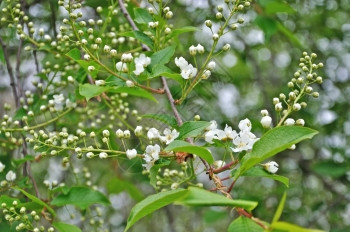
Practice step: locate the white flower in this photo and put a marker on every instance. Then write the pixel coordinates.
(131, 153)
(264, 113)
(289, 122)
(2, 167)
(244, 141)
(153, 133)
(151, 156)
(174, 186)
(11, 176)
(103, 155)
(126, 58)
(227, 133)
(187, 70)
(211, 65)
(213, 125)
(271, 167)
(245, 125)
(219, 163)
(266, 121)
(292, 147)
(138, 131)
(169, 135)
(200, 49)
(100, 82)
(210, 136)
(58, 101)
(140, 63)
(130, 84)
(121, 67)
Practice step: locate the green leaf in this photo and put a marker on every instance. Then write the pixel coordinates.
(329, 168)
(135, 91)
(81, 197)
(243, 224)
(288, 227)
(167, 119)
(114, 81)
(290, 35)
(268, 25)
(175, 76)
(179, 145)
(142, 16)
(158, 70)
(142, 37)
(280, 207)
(26, 158)
(260, 172)
(163, 56)
(201, 197)
(89, 91)
(74, 54)
(116, 185)
(85, 64)
(152, 203)
(273, 142)
(153, 172)
(2, 57)
(277, 6)
(62, 227)
(81, 75)
(36, 200)
(182, 30)
(192, 129)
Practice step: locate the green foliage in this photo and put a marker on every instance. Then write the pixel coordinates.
(192, 129)
(89, 91)
(243, 224)
(81, 197)
(62, 227)
(273, 142)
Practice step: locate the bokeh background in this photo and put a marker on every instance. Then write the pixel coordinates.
(265, 54)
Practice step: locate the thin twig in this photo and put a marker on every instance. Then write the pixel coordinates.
(10, 72)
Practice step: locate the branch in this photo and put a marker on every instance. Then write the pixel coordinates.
(10, 72)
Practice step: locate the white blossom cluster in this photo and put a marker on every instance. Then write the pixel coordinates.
(187, 70)
(242, 141)
(10, 176)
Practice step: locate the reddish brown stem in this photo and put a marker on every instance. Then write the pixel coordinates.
(224, 168)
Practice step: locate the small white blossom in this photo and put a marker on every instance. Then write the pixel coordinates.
(153, 133)
(126, 58)
(126, 134)
(130, 83)
(121, 67)
(200, 49)
(105, 133)
(151, 155)
(266, 121)
(11, 176)
(187, 70)
(103, 155)
(289, 122)
(138, 131)
(2, 167)
(169, 135)
(271, 167)
(227, 133)
(245, 125)
(119, 133)
(219, 163)
(140, 63)
(58, 102)
(300, 122)
(244, 141)
(278, 106)
(192, 50)
(131, 153)
(264, 113)
(211, 65)
(100, 82)
(210, 136)
(213, 125)
(174, 186)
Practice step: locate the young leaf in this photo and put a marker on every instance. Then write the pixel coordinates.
(179, 145)
(167, 119)
(135, 91)
(192, 129)
(288, 227)
(179, 31)
(163, 56)
(89, 91)
(201, 197)
(142, 37)
(158, 70)
(36, 200)
(273, 142)
(142, 16)
(259, 171)
(62, 227)
(280, 207)
(85, 64)
(74, 54)
(116, 185)
(81, 197)
(152, 203)
(243, 224)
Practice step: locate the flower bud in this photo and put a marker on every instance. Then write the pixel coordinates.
(266, 121)
(300, 122)
(208, 23)
(119, 133)
(226, 47)
(278, 107)
(289, 122)
(296, 107)
(130, 83)
(100, 82)
(103, 155)
(105, 133)
(131, 153)
(271, 167)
